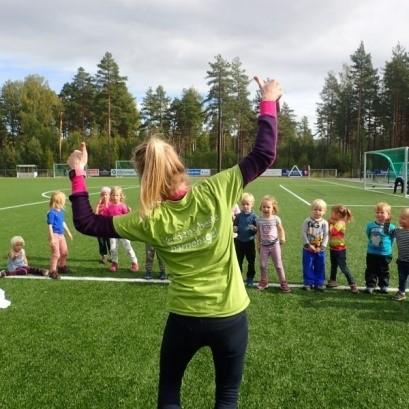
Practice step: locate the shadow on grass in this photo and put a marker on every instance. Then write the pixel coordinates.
(377, 307)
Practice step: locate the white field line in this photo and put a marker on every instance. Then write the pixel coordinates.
(153, 281)
(46, 195)
(295, 195)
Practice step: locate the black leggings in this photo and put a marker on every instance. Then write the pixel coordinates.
(184, 336)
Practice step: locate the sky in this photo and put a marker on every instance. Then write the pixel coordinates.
(171, 42)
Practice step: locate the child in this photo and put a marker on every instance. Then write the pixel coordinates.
(117, 207)
(245, 226)
(379, 253)
(315, 240)
(191, 229)
(270, 235)
(340, 216)
(402, 240)
(56, 238)
(102, 208)
(17, 264)
(150, 255)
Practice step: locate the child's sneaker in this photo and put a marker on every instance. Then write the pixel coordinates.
(54, 275)
(319, 288)
(354, 288)
(306, 287)
(399, 296)
(148, 276)
(63, 270)
(44, 272)
(103, 259)
(162, 276)
(114, 267)
(262, 285)
(3, 273)
(134, 267)
(332, 284)
(250, 282)
(384, 290)
(369, 290)
(284, 287)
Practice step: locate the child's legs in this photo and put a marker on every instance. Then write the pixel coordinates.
(308, 267)
(34, 270)
(63, 251)
(264, 250)
(403, 269)
(102, 246)
(275, 252)
(250, 253)
(371, 271)
(333, 256)
(342, 262)
(55, 252)
(181, 340)
(383, 272)
(319, 268)
(129, 250)
(114, 244)
(239, 245)
(150, 254)
(20, 271)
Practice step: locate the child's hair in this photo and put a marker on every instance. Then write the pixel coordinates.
(248, 197)
(318, 203)
(105, 189)
(343, 212)
(15, 240)
(268, 198)
(383, 206)
(404, 212)
(118, 190)
(160, 171)
(57, 200)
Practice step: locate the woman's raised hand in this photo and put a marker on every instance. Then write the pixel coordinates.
(270, 90)
(79, 158)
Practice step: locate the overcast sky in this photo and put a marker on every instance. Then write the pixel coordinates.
(171, 42)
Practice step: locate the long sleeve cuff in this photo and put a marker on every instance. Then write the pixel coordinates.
(268, 108)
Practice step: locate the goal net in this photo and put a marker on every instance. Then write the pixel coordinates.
(124, 168)
(26, 171)
(383, 167)
(323, 173)
(60, 170)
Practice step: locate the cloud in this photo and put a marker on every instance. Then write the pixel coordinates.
(171, 42)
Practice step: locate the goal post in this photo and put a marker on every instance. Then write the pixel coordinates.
(26, 171)
(124, 168)
(383, 167)
(60, 170)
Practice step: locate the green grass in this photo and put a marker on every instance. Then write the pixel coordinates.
(96, 344)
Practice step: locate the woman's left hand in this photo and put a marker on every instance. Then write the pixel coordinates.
(79, 158)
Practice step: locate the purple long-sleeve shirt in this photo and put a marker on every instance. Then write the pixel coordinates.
(256, 162)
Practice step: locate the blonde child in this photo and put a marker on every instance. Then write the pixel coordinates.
(118, 207)
(402, 240)
(245, 226)
(270, 235)
(340, 217)
(379, 250)
(17, 264)
(314, 234)
(56, 238)
(102, 209)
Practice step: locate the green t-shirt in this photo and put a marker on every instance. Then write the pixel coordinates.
(194, 237)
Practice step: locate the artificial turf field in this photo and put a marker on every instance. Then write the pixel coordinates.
(93, 344)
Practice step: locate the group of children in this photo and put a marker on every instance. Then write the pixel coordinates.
(267, 234)
(111, 203)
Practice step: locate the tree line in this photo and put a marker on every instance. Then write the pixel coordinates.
(358, 110)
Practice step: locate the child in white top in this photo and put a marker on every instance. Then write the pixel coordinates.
(270, 236)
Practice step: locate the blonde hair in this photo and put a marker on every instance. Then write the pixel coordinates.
(160, 170)
(105, 189)
(268, 198)
(118, 189)
(248, 197)
(15, 240)
(404, 212)
(383, 206)
(318, 203)
(57, 200)
(342, 211)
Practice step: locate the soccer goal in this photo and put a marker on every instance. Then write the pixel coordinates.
(60, 170)
(26, 171)
(383, 167)
(323, 173)
(124, 168)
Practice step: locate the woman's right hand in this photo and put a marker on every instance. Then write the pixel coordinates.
(270, 90)
(79, 158)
